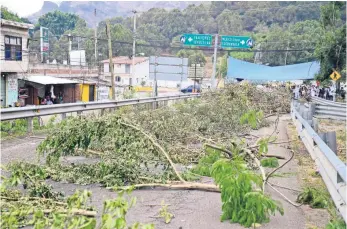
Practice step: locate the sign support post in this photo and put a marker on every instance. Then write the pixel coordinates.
(44, 43)
(214, 62)
(155, 91)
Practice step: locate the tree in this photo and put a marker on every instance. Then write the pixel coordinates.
(58, 22)
(229, 23)
(194, 56)
(331, 48)
(8, 15)
(196, 17)
(175, 24)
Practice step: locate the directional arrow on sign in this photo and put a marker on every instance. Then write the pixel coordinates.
(197, 39)
(236, 42)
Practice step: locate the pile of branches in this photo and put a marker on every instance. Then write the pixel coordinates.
(39, 206)
(125, 144)
(135, 148)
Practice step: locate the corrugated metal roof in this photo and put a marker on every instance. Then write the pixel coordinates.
(45, 80)
(245, 70)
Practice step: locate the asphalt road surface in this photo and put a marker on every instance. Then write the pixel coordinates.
(191, 209)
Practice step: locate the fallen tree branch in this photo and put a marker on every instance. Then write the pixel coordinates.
(280, 186)
(32, 198)
(157, 145)
(182, 186)
(91, 151)
(276, 156)
(206, 139)
(38, 137)
(269, 115)
(61, 211)
(73, 211)
(286, 198)
(257, 162)
(274, 143)
(273, 171)
(218, 148)
(241, 135)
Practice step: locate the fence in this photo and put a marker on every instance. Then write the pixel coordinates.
(36, 111)
(329, 109)
(331, 168)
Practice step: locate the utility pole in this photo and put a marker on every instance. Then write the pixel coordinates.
(214, 62)
(70, 47)
(133, 57)
(257, 55)
(194, 77)
(285, 59)
(108, 30)
(96, 51)
(95, 39)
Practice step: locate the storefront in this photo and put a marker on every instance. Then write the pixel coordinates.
(9, 89)
(87, 92)
(36, 90)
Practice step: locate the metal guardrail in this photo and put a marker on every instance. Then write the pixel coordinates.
(327, 102)
(329, 109)
(42, 110)
(331, 168)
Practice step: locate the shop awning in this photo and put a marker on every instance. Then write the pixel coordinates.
(48, 80)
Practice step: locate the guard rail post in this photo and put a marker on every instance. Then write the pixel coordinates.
(155, 104)
(315, 124)
(63, 116)
(102, 112)
(330, 167)
(30, 125)
(79, 113)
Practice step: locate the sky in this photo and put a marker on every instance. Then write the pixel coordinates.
(23, 7)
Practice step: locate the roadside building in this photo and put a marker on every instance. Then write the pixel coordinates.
(89, 90)
(123, 70)
(86, 91)
(33, 89)
(14, 58)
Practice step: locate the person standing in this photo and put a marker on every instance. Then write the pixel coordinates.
(296, 92)
(313, 91)
(60, 97)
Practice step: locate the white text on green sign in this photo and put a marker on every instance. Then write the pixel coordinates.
(236, 42)
(197, 39)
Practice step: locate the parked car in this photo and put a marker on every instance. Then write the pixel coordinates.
(190, 88)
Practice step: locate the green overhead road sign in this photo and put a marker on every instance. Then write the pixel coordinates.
(197, 40)
(236, 42)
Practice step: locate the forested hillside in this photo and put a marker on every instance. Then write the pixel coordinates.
(107, 9)
(312, 29)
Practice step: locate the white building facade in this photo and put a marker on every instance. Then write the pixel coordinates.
(123, 73)
(14, 58)
(123, 70)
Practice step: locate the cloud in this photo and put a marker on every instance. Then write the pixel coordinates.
(22, 7)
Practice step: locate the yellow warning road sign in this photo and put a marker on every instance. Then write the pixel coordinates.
(335, 75)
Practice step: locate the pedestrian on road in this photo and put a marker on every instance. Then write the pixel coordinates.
(296, 92)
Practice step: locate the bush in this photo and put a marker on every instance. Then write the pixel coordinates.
(271, 162)
(314, 197)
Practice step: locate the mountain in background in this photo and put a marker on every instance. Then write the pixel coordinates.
(106, 9)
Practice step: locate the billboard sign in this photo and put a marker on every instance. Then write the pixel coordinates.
(44, 42)
(168, 68)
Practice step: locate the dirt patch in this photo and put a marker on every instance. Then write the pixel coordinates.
(308, 177)
(326, 125)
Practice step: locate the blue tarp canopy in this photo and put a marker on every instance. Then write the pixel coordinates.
(256, 72)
